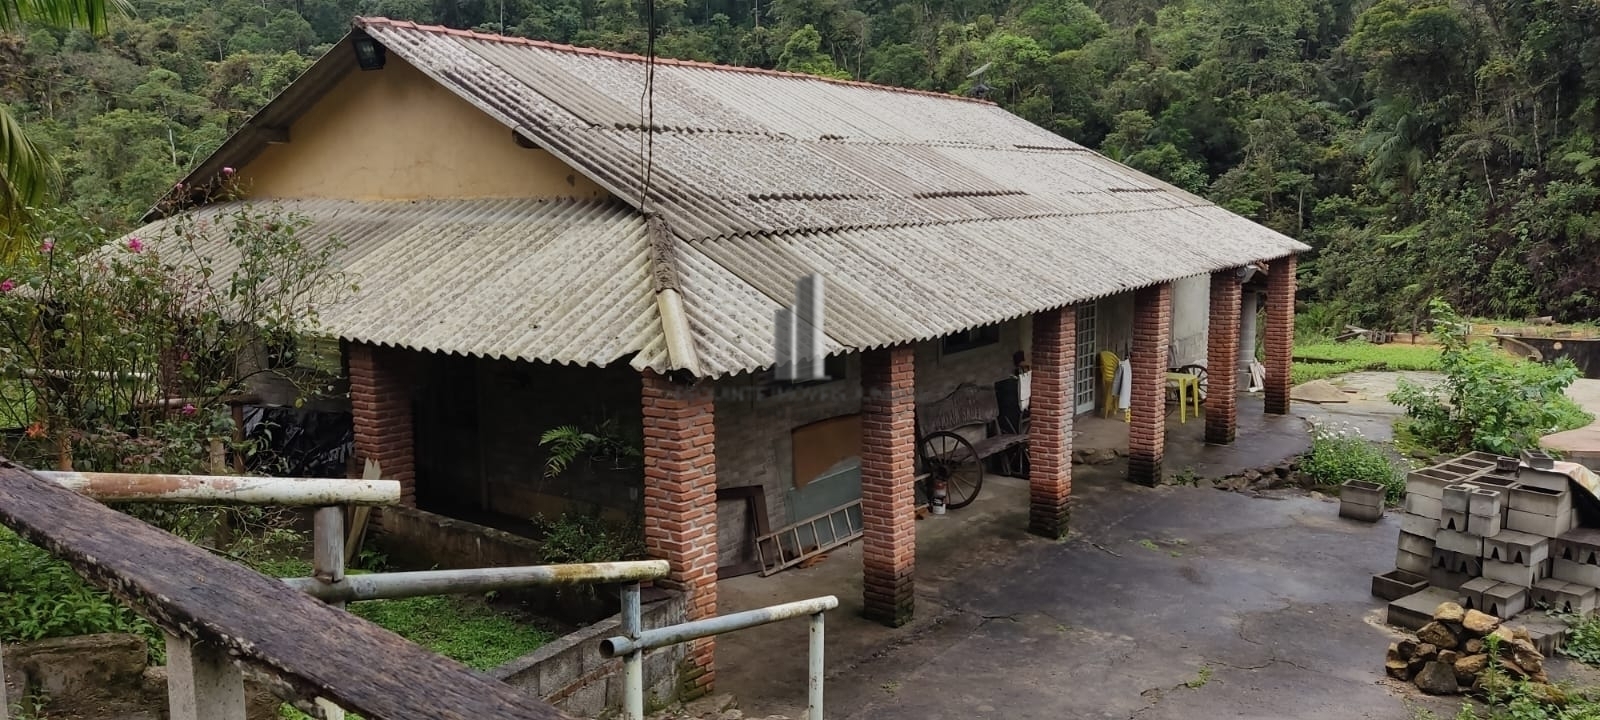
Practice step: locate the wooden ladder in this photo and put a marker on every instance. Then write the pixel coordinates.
(788, 546)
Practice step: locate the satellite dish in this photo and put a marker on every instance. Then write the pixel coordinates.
(980, 71)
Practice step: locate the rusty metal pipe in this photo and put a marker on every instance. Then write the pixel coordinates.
(684, 632)
(226, 489)
(387, 586)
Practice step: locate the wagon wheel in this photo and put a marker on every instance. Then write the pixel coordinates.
(1199, 371)
(949, 457)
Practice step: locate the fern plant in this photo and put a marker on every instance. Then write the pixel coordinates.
(567, 443)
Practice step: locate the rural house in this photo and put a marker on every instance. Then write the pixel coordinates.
(528, 257)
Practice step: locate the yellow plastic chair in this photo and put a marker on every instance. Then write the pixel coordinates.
(1188, 386)
(1108, 375)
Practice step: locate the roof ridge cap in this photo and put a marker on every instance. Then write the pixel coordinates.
(365, 22)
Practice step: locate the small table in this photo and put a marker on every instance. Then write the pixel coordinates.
(1188, 386)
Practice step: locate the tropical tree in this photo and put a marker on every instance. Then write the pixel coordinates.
(26, 172)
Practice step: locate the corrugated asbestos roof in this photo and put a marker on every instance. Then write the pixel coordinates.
(543, 280)
(925, 214)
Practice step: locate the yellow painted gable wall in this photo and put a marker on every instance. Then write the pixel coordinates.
(395, 134)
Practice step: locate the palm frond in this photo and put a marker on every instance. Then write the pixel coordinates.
(92, 15)
(26, 174)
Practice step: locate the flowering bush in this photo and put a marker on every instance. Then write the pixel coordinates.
(120, 354)
(1340, 453)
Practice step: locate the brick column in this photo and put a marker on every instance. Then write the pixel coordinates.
(1280, 333)
(888, 495)
(680, 503)
(1152, 334)
(1050, 429)
(380, 401)
(1222, 359)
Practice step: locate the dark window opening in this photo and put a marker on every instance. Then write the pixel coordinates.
(969, 339)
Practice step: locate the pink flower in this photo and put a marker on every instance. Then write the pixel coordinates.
(178, 187)
(7, 285)
(187, 409)
(135, 244)
(227, 171)
(47, 246)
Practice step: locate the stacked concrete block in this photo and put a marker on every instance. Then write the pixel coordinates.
(1540, 510)
(1501, 533)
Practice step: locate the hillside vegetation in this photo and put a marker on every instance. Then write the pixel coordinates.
(1424, 147)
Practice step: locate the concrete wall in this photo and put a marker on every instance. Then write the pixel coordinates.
(1191, 307)
(394, 134)
(571, 674)
(754, 426)
(418, 538)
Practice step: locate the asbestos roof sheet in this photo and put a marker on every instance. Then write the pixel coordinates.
(924, 213)
(562, 281)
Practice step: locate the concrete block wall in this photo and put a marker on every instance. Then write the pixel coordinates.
(418, 538)
(571, 674)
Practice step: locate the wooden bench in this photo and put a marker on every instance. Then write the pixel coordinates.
(967, 407)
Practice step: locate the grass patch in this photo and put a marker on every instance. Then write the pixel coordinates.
(1321, 360)
(467, 630)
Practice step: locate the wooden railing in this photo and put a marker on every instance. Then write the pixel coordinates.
(219, 615)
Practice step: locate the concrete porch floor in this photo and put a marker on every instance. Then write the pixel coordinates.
(1152, 586)
(1263, 440)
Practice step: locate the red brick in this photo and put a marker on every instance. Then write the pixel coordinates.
(1050, 430)
(1279, 339)
(1152, 337)
(380, 401)
(888, 496)
(680, 500)
(1222, 359)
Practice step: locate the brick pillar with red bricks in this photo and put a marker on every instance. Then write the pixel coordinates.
(1147, 430)
(1222, 359)
(1050, 430)
(1279, 340)
(680, 503)
(380, 403)
(888, 472)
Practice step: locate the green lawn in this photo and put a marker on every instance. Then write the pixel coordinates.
(1328, 359)
(466, 629)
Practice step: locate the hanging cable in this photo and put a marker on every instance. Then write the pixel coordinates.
(647, 108)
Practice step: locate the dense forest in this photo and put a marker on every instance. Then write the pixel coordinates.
(1423, 147)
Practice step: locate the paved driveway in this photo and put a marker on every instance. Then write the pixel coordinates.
(1175, 602)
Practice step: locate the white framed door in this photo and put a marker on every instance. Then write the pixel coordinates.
(1084, 371)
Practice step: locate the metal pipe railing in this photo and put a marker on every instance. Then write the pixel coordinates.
(388, 586)
(633, 644)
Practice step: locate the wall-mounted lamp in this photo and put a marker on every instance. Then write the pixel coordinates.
(369, 54)
(1246, 272)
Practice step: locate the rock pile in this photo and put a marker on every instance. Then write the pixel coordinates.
(1456, 651)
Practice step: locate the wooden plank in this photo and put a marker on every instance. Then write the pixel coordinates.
(316, 650)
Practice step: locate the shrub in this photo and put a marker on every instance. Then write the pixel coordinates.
(1341, 453)
(44, 598)
(574, 538)
(1487, 401)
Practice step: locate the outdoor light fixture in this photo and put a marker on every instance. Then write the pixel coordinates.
(369, 54)
(1246, 272)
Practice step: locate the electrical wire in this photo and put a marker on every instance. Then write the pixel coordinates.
(647, 108)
